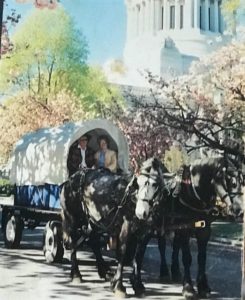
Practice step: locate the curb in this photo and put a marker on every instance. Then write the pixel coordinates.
(227, 242)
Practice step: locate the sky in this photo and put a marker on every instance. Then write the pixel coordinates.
(103, 22)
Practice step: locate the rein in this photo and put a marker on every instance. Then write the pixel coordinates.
(211, 211)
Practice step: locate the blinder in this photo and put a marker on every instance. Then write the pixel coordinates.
(151, 185)
(231, 180)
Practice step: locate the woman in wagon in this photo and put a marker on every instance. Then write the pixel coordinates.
(80, 155)
(105, 157)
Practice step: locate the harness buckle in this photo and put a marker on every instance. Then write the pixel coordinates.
(200, 224)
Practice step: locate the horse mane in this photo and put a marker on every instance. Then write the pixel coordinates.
(214, 160)
(154, 163)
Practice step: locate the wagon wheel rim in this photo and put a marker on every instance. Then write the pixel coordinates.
(10, 230)
(50, 240)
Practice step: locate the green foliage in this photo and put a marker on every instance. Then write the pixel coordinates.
(97, 95)
(174, 158)
(4, 181)
(232, 231)
(6, 188)
(48, 53)
(229, 10)
(117, 66)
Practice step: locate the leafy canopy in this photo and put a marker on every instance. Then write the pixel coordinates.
(48, 53)
(48, 79)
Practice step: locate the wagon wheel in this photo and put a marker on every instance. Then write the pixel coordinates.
(13, 231)
(52, 242)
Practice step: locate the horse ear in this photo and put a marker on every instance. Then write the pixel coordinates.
(133, 183)
(242, 178)
(221, 171)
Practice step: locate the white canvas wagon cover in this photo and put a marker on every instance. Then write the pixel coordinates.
(41, 157)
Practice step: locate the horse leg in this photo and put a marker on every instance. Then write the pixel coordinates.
(202, 236)
(135, 277)
(164, 272)
(117, 281)
(175, 269)
(188, 290)
(70, 239)
(102, 266)
(76, 276)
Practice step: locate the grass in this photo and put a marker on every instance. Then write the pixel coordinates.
(233, 231)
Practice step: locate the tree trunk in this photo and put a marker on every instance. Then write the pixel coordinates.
(1, 25)
(243, 252)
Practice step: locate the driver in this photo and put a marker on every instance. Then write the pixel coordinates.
(80, 155)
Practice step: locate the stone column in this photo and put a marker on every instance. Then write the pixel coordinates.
(216, 16)
(153, 16)
(197, 14)
(206, 15)
(147, 15)
(137, 19)
(177, 15)
(140, 19)
(166, 15)
(187, 14)
(158, 8)
(143, 17)
(133, 21)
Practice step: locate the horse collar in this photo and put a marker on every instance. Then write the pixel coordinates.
(187, 180)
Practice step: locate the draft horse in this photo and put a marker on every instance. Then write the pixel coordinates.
(183, 200)
(95, 202)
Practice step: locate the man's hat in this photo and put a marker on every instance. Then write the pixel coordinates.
(84, 137)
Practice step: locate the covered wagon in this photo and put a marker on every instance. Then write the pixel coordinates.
(37, 171)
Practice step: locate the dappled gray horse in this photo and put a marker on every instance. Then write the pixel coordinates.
(175, 202)
(96, 202)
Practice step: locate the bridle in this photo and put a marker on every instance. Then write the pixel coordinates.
(229, 192)
(158, 194)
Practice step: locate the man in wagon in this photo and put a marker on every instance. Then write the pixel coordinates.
(80, 155)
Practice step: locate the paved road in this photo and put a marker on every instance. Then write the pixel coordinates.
(24, 274)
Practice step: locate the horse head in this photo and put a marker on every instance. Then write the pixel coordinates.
(229, 183)
(150, 183)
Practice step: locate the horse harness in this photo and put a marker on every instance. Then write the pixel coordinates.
(116, 210)
(187, 180)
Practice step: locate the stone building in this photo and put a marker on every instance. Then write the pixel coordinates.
(165, 36)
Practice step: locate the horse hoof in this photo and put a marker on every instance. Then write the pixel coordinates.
(176, 277)
(203, 288)
(164, 279)
(120, 294)
(139, 290)
(139, 293)
(189, 293)
(108, 276)
(76, 280)
(204, 294)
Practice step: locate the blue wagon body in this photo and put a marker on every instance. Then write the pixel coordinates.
(45, 196)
